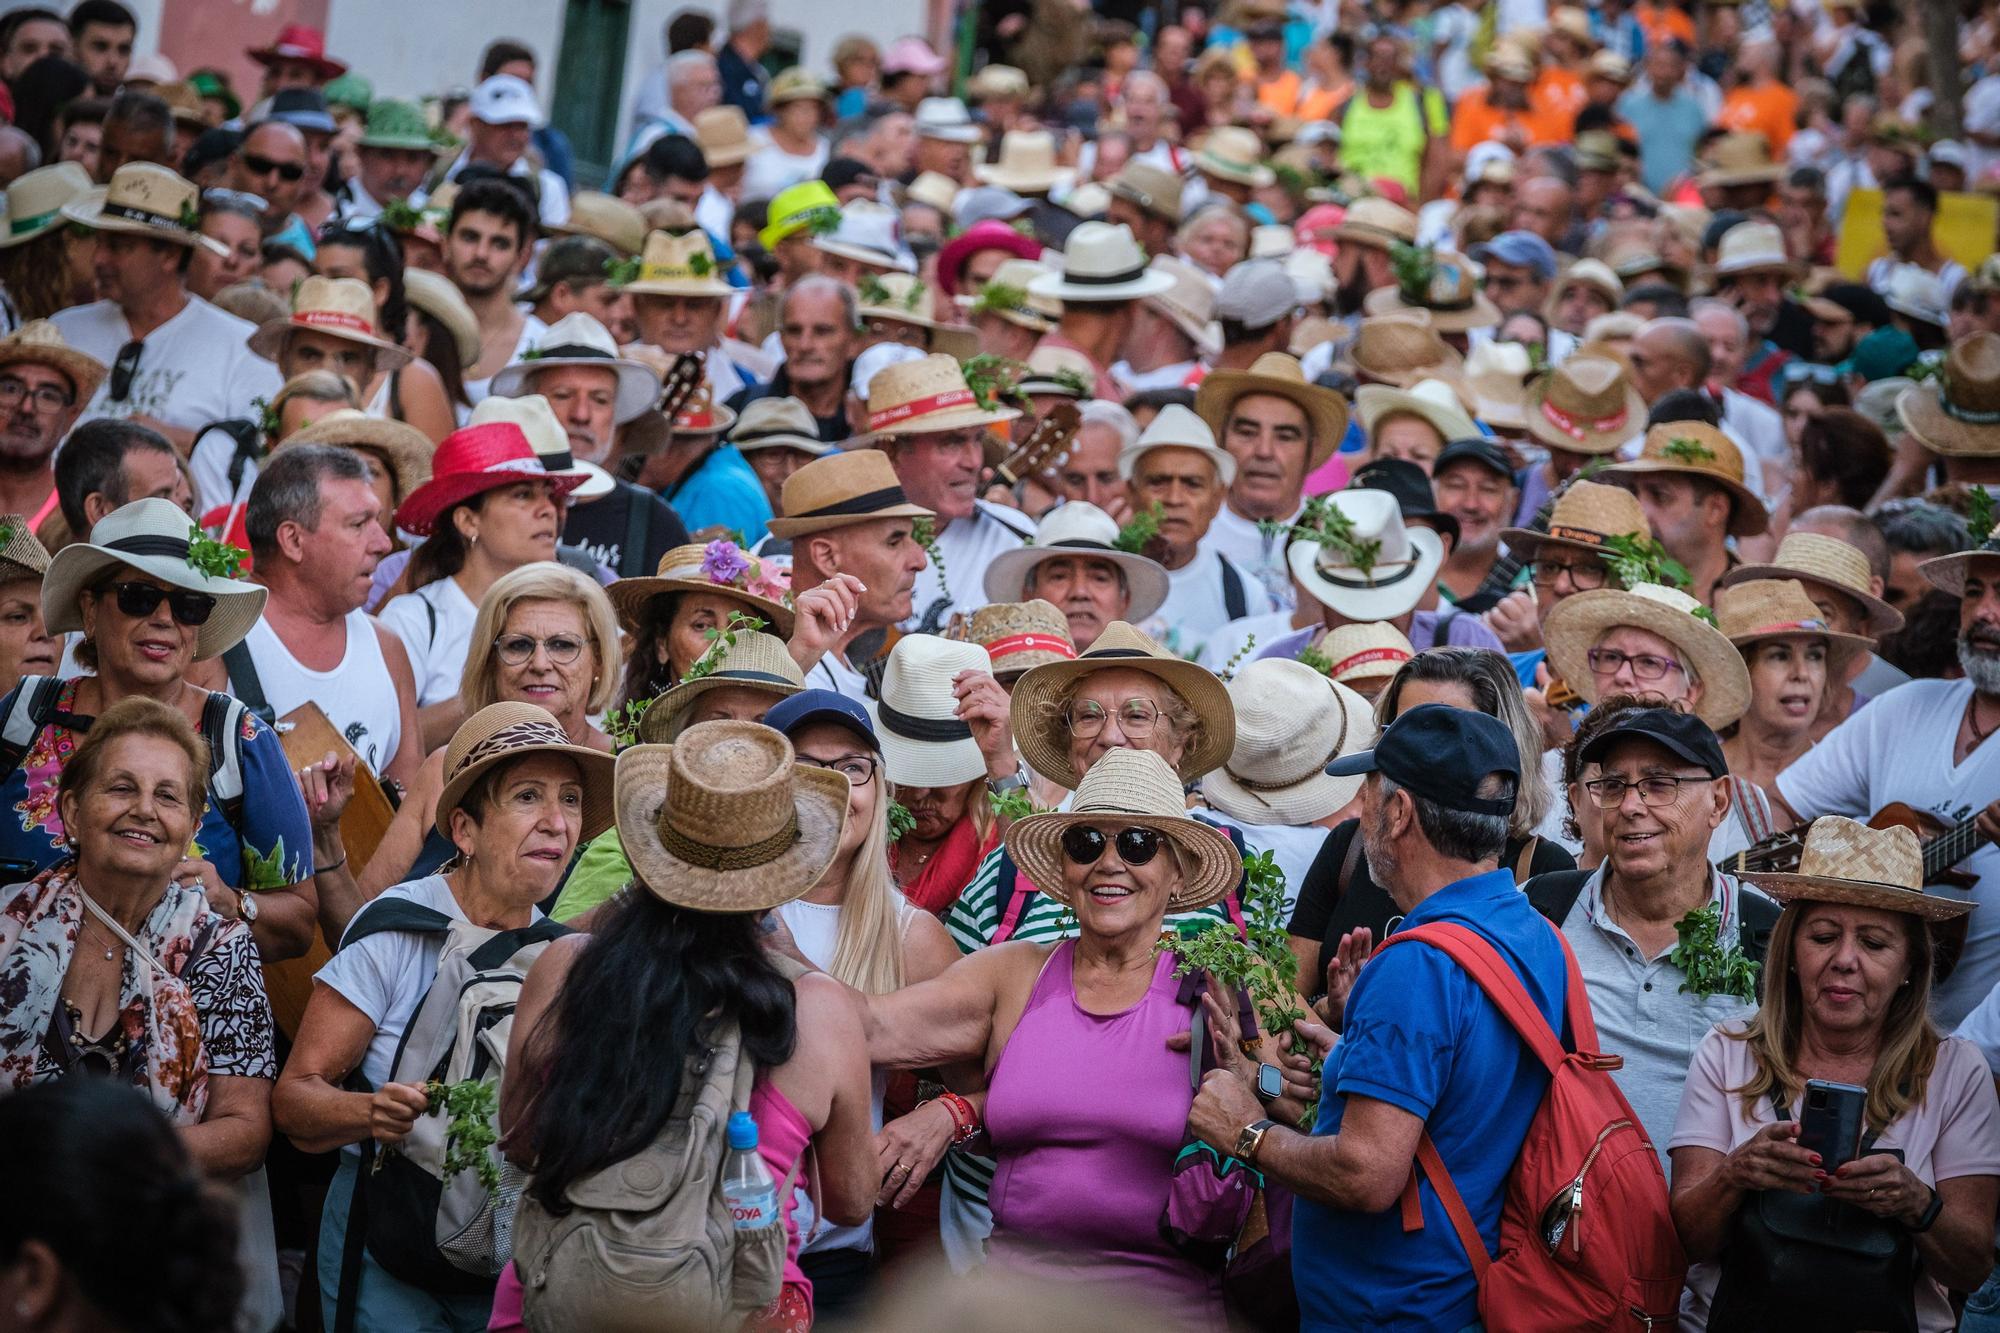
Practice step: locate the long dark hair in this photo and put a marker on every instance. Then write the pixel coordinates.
(440, 348)
(381, 259)
(646, 675)
(643, 994)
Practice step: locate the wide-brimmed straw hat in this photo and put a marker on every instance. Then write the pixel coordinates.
(1364, 650)
(1278, 374)
(1189, 303)
(778, 423)
(605, 217)
(1378, 222)
(1947, 572)
(933, 188)
(146, 199)
(1232, 153)
(1760, 609)
(1402, 348)
(546, 436)
(726, 819)
(753, 661)
(902, 299)
(405, 449)
(437, 296)
(1152, 188)
(723, 135)
(924, 744)
(1579, 621)
(683, 265)
(1401, 559)
(1432, 401)
(1697, 449)
(1451, 294)
(1821, 562)
(920, 397)
(1742, 157)
(1102, 262)
(1585, 517)
(1845, 861)
(503, 732)
(1079, 528)
(1009, 294)
(154, 537)
(1755, 247)
(1026, 165)
(577, 339)
(1586, 405)
(1592, 273)
(997, 81)
(341, 308)
(39, 342)
(718, 567)
(471, 461)
(795, 83)
(1958, 413)
(1020, 636)
(1043, 737)
(840, 490)
(1291, 722)
(23, 557)
(1494, 387)
(1131, 788)
(36, 200)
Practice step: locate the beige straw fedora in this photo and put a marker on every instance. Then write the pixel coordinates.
(718, 567)
(1291, 722)
(1948, 572)
(1958, 413)
(1278, 374)
(36, 200)
(683, 265)
(1080, 528)
(436, 296)
(1102, 262)
(726, 819)
(1020, 636)
(933, 188)
(755, 661)
(1232, 153)
(39, 342)
(1697, 449)
(1378, 222)
(1844, 861)
(338, 307)
(402, 447)
(1363, 651)
(1586, 405)
(1495, 385)
(1027, 164)
(1585, 517)
(146, 199)
(778, 423)
(21, 556)
(607, 218)
(1759, 609)
(1742, 157)
(1042, 735)
(1450, 292)
(1755, 247)
(921, 397)
(506, 731)
(1579, 621)
(902, 299)
(1826, 564)
(1009, 293)
(1189, 303)
(1402, 348)
(840, 490)
(1152, 188)
(723, 134)
(154, 537)
(916, 718)
(1124, 789)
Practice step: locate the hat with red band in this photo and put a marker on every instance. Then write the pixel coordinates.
(1020, 635)
(471, 461)
(920, 397)
(340, 307)
(1587, 405)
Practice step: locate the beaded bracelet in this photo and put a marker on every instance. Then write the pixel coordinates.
(964, 1118)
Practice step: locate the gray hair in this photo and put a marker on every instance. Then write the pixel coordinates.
(743, 13)
(1460, 834)
(1104, 412)
(288, 488)
(31, 152)
(1709, 305)
(850, 304)
(683, 63)
(1922, 527)
(1146, 78)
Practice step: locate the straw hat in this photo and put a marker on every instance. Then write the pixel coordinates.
(924, 744)
(1494, 387)
(1278, 374)
(997, 81)
(1585, 517)
(1153, 188)
(795, 83)
(869, 234)
(503, 732)
(1232, 153)
(723, 134)
(1844, 861)
(145, 199)
(1079, 528)
(154, 537)
(1175, 427)
(36, 200)
(778, 423)
(1947, 572)
(1451, 295)
(933, 188)
(1043, 737)
(920, 397)
(1020, 636)
(577, 339)
(435, 295)
(1755, 247)
(471, 461)
(1752, 611)
(1398, 570)
(1592, 273)
(338, 307)
(1189, 303)
(1364, 650)
(1378, 222)
(810, 206)
(1291, 722)
(1402, 348)
(405, 449)
(1010, 295)
(1958, 413)
(683, 265)
(1829, 564)
(607, 218)
(901, 298)
(22, 557)
(1586, 405)
(726, 819)
(546, 436)
(1131, 788)
(1579, 621)
(1742, 157)
(1027, 164)
(1697, 449)
(1052, 370)
(717, 567)
(39, 342)
(755, 661)
(1434, 401)
(1608, 64)
(1102, 262)
(840, 490)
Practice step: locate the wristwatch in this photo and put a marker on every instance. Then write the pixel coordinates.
(1012, 782)
(1930, 1216)
(1270, 1083)
(246, 904)
(1250, 1140)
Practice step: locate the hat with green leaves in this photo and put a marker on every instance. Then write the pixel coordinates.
(394, 124)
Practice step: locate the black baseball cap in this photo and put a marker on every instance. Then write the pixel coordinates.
(1442, 754)
(1479, 449)
(1412, 488)
(1683, 733)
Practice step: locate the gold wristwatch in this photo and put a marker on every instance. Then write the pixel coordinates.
(1250, 1140)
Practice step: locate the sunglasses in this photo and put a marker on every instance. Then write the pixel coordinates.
(1085, 845)
(264, 166)
(139, 600)
(124, 368)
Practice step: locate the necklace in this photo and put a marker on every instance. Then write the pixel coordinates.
(109, 949)
(1972, 721)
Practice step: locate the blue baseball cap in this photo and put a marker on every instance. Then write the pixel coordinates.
(1522, 249)
(809, 706)
(1441, 754)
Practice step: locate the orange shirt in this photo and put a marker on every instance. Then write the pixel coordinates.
(1561, 89)
(1768, 108)
(1280, 96)
(1473, 121)
(1660, 22)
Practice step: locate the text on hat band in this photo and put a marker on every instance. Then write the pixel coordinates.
(889, 416)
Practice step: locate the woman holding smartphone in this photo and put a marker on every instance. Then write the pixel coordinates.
(1905, 1122)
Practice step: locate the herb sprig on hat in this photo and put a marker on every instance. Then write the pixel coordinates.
(622, 272)
(999, 298)
(1326, 523)
(218, 560)
(1691, 452)
(1134, 535)
(1979, 514)
(1415, 267)
(720, 641)
(994, 380)
(1634, 560)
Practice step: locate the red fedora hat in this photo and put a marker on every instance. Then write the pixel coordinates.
(471, 461)
(306, 45)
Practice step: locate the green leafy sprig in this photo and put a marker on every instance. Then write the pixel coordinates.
(267, 417)
(1071, 380)
(1710, 968)
(1415, 266)
(1325, 522)
(822, 220)
(901, 821)
(7, 533)
(994, 380)
(621, 724)
(1000, 298)
(1013, 805)
(1635, 560)
(622, 272)
(1311, 656)
(1138, 531)
(1228, 671)
(469, 1138)
(700, 265)
(924, 533)
(218, 560)
(720, 641)
(1691, 452)
(1706, 616)
(1979, 515)
(190, 218)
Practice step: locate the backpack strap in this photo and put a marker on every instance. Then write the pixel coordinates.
(430, 615)
(1526, 859)
(506, 943)
(380, 915)
(1555, 893)
(246, 436)
(638, 527)
(222, 728)
(244, 683)
(1010, 896)
(1757, 917)
(1234, 603)
(34, 705)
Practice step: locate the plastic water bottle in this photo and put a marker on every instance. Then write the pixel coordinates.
(746, 1181)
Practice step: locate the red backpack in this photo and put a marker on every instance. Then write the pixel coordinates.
(1586, 1238)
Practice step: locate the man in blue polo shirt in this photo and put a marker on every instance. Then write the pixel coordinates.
(1422, 1047)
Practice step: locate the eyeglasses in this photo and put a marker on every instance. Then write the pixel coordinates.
(124, 368)
(516, 649)
(1136, 718)
(1657, 791)
(264, 166)
(858, 769)
(1805, 372)
(1084, 845)
(1645, 666)
(47, 397)
(139, 600)
(1584, 575)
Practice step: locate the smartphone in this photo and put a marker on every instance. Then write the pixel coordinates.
(1830, 1124)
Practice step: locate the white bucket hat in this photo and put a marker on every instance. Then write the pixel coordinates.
(1078, 528)
(1381, 571)
(577, 339)
(924, 744)
(1291, 722)
(1177, 427)
(1102, 262)
(154, 537)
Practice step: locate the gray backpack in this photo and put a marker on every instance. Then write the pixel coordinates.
(648, 1242)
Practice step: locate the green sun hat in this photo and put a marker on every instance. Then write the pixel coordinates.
(807, 206)
(393, 124)
(351, 91)
(215, 84)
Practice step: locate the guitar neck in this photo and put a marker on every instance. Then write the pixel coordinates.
(1956, 843)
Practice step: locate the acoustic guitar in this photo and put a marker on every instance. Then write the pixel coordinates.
(1043, 447)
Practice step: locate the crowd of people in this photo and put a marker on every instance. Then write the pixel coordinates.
(532, 704)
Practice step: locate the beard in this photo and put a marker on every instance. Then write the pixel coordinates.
(1375, 845)
(1980, 660)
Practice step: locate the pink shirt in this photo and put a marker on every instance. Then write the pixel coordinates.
(1954, 1132)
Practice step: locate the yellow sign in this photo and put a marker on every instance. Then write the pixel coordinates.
(1965, 229)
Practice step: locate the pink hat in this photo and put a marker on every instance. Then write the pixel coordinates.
(1315, 228)
(913, 55)
(991, 234)
(306, 45)
(471, 461)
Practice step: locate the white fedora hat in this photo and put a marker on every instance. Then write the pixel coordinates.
(946, 118)
(1102, 262)
(1291, 722)
(155, 537)
(1078, 528)
(1177, 427)
(577, 339)
(1378, 569)
(1027, 164)
(869, 234)
(924, 744)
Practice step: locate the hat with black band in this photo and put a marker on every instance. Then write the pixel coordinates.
(923, 741)
(840, 490)
(1442, 754)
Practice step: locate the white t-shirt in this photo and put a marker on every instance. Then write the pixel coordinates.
(1179, 375)
(968, 546)
(771, 169)
(195, 368)
(1234, 639)
(830, 673)
(1759, 426)
(532, 329)
(1195, 607)
(438, 639)
(1248, 545)
(1899, 748)
(1293, 848)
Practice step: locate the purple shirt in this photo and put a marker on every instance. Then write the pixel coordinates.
(1461, 631)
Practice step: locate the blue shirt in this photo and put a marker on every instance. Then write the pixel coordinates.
(1668, 130)
(723, 490)
(1422, 1036)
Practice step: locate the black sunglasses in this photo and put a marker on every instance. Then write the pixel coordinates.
(139, 600)
(264, 166)
(124, 368)
(1085, 845)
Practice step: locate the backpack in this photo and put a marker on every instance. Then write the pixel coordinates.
(649, 1242)
(444, 1235)
(1586, 1237)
